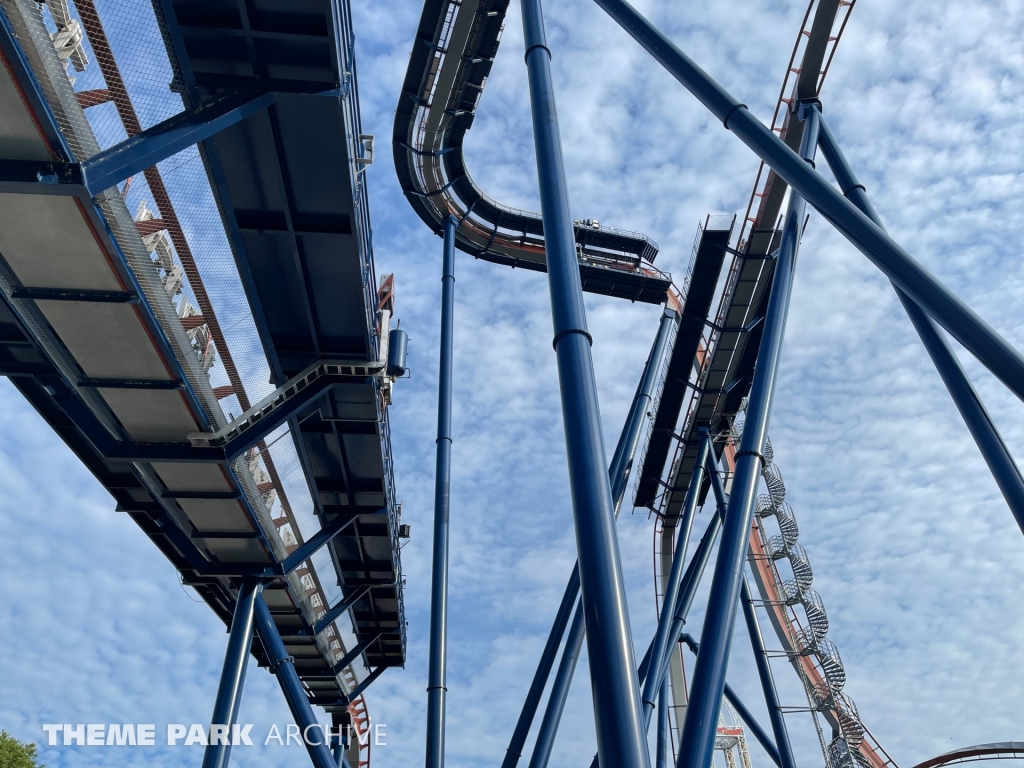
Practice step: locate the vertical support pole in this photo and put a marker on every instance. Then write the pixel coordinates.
(745, 714)
(694, 571)
(662, 757)
(764, 671)
(283, 666)
(662, 646)
(232, 677)
(559, 692)
(998, 458)
(612, 665)
(439, 578)
(618, 475)
(698, 740)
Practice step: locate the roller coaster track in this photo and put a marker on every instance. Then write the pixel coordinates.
(455, 47)
(725, 354)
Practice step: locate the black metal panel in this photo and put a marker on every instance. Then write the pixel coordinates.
(707, 267)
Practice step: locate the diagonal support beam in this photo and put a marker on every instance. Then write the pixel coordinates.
(283, 666)
(618, 474)
(306, 550)
(352, 655)
(135, 154)
(698, 740)
(741, 709)
(343, 606)
(977, 336)
(1000, 462)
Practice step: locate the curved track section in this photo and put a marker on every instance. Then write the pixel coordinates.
(455, 47)
(1003, 750)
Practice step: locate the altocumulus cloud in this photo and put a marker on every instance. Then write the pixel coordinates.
(916, 557)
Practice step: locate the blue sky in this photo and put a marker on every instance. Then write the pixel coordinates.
(916, 557)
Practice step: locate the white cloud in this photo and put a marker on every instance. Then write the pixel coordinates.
(915, 555)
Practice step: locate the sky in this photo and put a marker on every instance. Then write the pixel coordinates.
(916, 557)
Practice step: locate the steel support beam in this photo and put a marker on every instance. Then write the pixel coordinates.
(232, 677)
(698, 739)
(662, 756)
(283, 666)
(540, 677)
(618, 474)
(979, 338)
(764, 671)
(139, 152)
(352, 655)
(1000, 462)
(355, 692)
(559, 692)
(436, 689)
(618, 722)
(662, 647)
(306, 550)
(741, 709)
(346, 602)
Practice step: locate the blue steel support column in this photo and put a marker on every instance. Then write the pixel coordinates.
(745, 714)
(662, 648)
(694, 571)
(439, 578)
(232, 678)
(618, 474)
(283, 666)
(618, 722)
(559, 692)
(1000, 462)
(661, 755)
(764, 671)
(980, 339)
(698, 739)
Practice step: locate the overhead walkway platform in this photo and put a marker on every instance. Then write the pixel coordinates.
(189, 300)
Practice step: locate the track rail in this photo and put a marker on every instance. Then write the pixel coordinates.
(455, 47)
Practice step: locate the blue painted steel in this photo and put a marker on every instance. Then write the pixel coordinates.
(764, 671)
(559, 692)
(618, 474)
(625, 451)
(232, 677)
(980, 339)
(439, 579)
(345, 603)
(283, 665)
(1000, 462)
(662, 758)
(355, 692)
(694, 571)
(612, 667)
(307, 549)
(745, 714)
(540, 677)
(662, 648)
(698, 739)
(398, 344)
(135, 154)
(352, 655)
